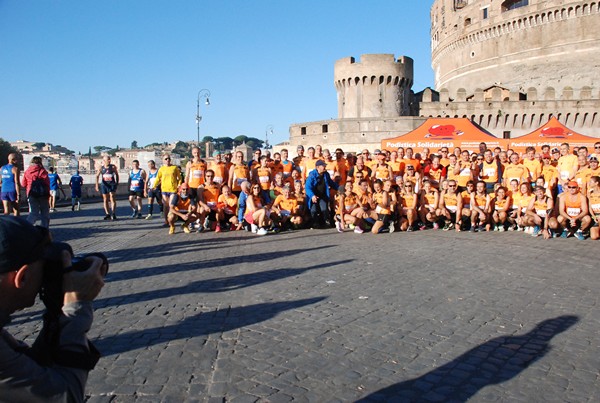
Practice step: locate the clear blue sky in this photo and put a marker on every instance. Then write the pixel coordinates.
(85, 73)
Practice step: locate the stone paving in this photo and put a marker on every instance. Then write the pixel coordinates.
(317, 316)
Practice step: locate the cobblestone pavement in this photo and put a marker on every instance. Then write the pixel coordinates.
(317, 316)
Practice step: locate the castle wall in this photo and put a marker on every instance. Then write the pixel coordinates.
(377, 86)
(547, 43)
(513, 117)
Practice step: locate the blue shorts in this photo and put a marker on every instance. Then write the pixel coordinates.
(106, 189)
(75, 193)
(9, 196)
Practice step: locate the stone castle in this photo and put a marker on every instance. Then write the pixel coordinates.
(507, 65)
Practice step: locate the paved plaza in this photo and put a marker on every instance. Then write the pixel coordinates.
(317, 316)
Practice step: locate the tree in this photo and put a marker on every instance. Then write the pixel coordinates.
(100, 149)
(254, 142)
(5, 149)
(223, 143)
(181, 148)
(134, 145)
(240, 139)
(207, 139)
(37, 146)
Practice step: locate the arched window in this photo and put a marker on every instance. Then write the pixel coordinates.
(512, 4)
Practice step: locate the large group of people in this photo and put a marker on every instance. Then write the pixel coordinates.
(546, 192)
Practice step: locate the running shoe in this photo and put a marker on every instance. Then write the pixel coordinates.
(133, 214)
(261, 231)
(254, 228)
(114, 217)
(472, 229)
(565, 234)
(149, 217)
(392, 227)
(446, 227)
(501, 228)
(422, 227)
(338, 226)
(536, 231)
(480, 228)
(107, 217)
(171, 229)
(186, 228)
(218, 228)
(139, 216)
(358, 230)
(73, 208)
(579, 235)
(410, 229)
(436, 225)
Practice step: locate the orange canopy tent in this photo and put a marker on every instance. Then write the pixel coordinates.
(553, 133)
(436, 133)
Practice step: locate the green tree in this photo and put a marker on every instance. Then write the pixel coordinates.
(5, 149)
(100, 149)
(254, 142)
(181, 148)
(38, 145)
(206, 139)
(240, 139)
(134, 145)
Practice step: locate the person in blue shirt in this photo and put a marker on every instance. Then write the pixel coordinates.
(11, 187)
(75, 184)
(318, 185)
(137, 178)
(55, 184)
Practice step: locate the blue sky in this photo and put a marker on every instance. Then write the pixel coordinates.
(85, 73)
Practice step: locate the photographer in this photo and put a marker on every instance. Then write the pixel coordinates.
(57, 366)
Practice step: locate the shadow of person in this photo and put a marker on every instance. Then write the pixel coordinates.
(205, 323)
(492, 362)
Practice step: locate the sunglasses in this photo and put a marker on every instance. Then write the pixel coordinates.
(167, 159)
(451, 186)
(572, 187)
(408, 187)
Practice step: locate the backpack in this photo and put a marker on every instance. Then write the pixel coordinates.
(38, 188)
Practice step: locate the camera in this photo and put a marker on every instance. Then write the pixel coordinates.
(51, 292)
(45, 350)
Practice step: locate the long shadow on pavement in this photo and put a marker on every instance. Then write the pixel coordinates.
(194, 265)
(221, 284)
(492, 362)
(202, 324)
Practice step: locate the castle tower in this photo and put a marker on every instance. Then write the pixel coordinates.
(376, 87)
(515, 44)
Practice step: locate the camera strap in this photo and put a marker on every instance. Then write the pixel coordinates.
(73, 359)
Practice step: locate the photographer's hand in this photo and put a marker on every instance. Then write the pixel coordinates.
(86, 285)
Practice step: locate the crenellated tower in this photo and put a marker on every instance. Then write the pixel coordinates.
(376, 87)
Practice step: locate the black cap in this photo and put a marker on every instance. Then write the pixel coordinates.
(21, 243)
(320, 163)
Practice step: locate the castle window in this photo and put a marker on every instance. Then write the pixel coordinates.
(303, 131)
(485, 13)
(512, 4)
(506, 134)
(325, 128)
(467, 21)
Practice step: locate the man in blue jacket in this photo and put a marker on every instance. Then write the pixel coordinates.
(318, 185)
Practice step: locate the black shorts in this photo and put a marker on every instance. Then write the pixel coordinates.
(108, 188)
(136, 193)
(384, 218)
(154, 193)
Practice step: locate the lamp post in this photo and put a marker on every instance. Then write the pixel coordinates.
(268, 130)
(203, 93)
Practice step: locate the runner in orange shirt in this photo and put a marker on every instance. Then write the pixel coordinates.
(194, 172)
(532, 164)
(464, 170)
(515, 170)
(435, 172)
(594, 205)
(408, 213)
(429, 199)
(285, 208)
(480, 208)
(183, 208)
(238, 173)
(539, 214)
(465, 216)
(226, 210)
(502, 206)
(380, 208)
(450, 207)
(220, 169)
(573, 212)
(410, 159)
(208, 197)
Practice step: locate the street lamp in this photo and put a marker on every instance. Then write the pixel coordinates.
(268, 130)
(203, 93)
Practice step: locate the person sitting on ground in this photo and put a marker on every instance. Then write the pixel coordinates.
(408, 213)
(285, 209)
(502, 206)
(429, 199)
(450, 207)
(182, 208)
(594, 205)
(480, 208)
(257, 214)
(226, 208)
(573, 212)
(539, 214)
